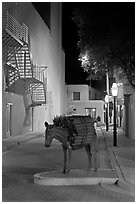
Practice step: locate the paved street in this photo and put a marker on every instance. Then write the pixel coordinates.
(22, 162)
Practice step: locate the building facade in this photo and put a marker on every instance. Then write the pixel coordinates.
(128, 120)
(126, 106)
(84, 100)
(33, 74)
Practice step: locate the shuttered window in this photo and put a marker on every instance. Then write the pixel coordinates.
(76, 95)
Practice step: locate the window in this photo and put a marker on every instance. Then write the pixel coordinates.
(76, 96)
(8, 119)
(91, 112)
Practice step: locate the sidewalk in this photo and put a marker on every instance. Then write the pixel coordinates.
(122, 155)
(12, 142)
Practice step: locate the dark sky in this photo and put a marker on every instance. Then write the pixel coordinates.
(120, 13)
(74, 72)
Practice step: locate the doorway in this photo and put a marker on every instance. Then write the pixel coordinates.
(8, 119)
(91, 112)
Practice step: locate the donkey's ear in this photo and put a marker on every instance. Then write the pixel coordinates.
(46, 124)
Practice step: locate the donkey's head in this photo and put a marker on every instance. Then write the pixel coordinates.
(49, 134)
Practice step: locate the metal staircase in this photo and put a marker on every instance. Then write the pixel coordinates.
(21, 76)
(39, 85)
(13, 36)
(22, 61)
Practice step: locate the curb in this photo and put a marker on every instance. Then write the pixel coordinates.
(115, 164)
(76, 177)
(113, 160)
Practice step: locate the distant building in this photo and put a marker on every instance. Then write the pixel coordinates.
(33, 75)
(126, 107)
(84, 100)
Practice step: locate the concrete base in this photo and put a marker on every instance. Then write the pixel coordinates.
(76, 177)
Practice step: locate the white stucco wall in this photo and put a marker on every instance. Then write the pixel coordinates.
(84, 101)
(46, 49)
(132, 117)
(81, 105)
(128, 89)
(83, 89)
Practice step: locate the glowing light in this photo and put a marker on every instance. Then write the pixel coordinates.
(85, 63)
(106, 98)
(114, 89)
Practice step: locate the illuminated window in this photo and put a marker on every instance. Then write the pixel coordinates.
(91, 112)
(76, 96)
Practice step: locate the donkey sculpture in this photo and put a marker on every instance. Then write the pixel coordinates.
(63, 136)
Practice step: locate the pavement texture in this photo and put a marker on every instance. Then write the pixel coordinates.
(120, 158)
(122, 155)
(12, 142)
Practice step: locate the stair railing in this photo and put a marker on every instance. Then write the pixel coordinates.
(39, 72)
(14, 27)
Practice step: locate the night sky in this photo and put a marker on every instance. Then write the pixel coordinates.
(121, 13)
(74, 72)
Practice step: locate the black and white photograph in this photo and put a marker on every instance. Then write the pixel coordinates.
(68, 101)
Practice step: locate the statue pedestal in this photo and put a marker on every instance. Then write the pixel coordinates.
(76, 177)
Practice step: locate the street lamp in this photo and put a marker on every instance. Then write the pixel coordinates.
(114, 94)
(107, 114)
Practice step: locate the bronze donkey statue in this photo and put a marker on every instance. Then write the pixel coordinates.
(62, 135)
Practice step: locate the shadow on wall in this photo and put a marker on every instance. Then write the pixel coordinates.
(27, 119)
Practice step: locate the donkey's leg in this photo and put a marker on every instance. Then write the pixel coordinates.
(87, 147)
(65, 159)
(68, 159)
(95, 157)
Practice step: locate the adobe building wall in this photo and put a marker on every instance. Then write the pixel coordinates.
(46, 49)
(18, 113)
(132, 117)
(129, 110)
(83, 89)
(81, 105)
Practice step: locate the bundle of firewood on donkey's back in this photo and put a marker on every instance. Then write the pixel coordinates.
(80, 128)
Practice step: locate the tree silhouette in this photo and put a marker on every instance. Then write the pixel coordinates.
(107, 39)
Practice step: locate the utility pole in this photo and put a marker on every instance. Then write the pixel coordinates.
(107, 109)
